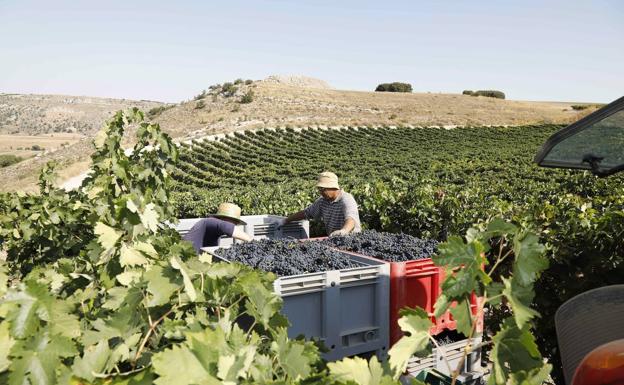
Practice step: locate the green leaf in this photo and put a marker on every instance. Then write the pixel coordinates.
(514, 350)
(149, 217)
(498, 227)
(537, 376)
(441, 306)
(494, 293)
(6, 342)
(129, 256)
(161, 283)
(463, 316)
(290, 356)
(179, 365)
(127, 278)
(107, 236)
(37, 359)
(357, 370)
(520, 298)
(231, 367)
(530, 260)
(92, 362)
(416, 323)
(261, 303)
(188, 284)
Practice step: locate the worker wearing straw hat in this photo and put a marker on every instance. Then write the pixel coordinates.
(207, 231)
(335, 207)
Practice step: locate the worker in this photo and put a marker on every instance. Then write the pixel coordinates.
(335, 207)
(207, 231)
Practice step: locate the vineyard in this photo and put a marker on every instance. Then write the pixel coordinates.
(427, 182)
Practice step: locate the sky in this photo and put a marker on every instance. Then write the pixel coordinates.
(171, 50)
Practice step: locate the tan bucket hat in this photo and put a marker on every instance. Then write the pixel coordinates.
(327, 180)
(230, 211)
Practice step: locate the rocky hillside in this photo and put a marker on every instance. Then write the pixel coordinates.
(46, 114)
(240, 105)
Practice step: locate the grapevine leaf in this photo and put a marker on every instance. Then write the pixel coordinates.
(290, 356)
(261, 303)
(498, 227)
(463, 316)
(530, 260)
(145, 377)
(179, 365)
(149, 217)
(441, 306)
(188, 284)
(161, 283)
(416, 323)
(520, 298)
(146, 248)
(127, 278)
(233, 366)
(463, 264)
(131, 257)
(514, 350)
(92, 362)
(107, 236)
(495, 293)
(357, 370)
(37, 359)
(6, 342)
(537, 376)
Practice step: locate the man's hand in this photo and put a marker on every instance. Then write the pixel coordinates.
(339, 233)
(279, 223)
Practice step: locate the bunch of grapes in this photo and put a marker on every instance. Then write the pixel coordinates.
(287, 257)
(387, 246)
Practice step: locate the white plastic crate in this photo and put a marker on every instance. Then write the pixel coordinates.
(346, 309)
(453, 352)
(258, 227)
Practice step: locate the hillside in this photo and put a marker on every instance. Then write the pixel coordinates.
(276, 102)
(48, 114)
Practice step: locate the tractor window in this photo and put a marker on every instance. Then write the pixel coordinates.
(594, 143)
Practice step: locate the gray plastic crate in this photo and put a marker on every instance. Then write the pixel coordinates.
(263, 226)
(258, 227)
(453, 353)
(346, 309)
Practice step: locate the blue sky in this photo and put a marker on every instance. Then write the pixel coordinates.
(170, 51)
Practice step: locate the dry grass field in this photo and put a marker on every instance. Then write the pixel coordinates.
(21, 145)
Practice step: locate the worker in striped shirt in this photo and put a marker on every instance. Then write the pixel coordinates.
(335, 207)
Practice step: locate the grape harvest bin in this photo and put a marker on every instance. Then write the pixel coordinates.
(418, 283)
(346, 309)
(258, 227)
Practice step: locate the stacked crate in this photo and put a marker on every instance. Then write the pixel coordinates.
(346, 309)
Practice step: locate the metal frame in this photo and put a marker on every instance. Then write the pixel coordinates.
(574, 128)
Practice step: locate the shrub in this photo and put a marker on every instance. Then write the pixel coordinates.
(200, 105)
(236, 108)
(489, 94)
(7, 160)
(238, 81)
(248, 81)
(394, 87)
(200, 96)
(228, 89)
(36, 147)
(154, 112)
(248, 97)
(467, 92)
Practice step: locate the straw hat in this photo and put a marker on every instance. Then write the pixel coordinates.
(327, 180)
(229, 211)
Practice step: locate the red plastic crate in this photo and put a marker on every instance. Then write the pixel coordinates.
(419, 283)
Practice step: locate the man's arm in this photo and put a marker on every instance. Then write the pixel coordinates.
(241, 235)
(300, 215)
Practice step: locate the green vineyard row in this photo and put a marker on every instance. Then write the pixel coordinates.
(428, 182)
